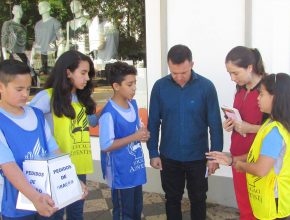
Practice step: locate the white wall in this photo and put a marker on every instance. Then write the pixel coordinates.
(271, 33)
(210, 28)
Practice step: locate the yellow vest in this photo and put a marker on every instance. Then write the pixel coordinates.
(73, 137)
(261, 189)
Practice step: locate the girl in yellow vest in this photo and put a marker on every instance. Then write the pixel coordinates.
(268, 162)
(66, 103)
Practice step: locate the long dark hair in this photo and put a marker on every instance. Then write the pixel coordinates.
(278, 85)
(62, 86)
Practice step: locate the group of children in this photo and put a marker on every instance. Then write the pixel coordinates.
(58, 118)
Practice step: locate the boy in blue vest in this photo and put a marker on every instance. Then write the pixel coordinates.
(121, 152)
(23, 134)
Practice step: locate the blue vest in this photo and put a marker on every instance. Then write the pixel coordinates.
(23, 144)
(126, 165)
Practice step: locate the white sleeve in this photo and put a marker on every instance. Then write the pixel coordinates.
(52, 145)
(6, 154)
(41, 101)
(106, 129)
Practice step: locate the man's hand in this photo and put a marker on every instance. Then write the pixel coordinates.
(212, 167)
(156, 163)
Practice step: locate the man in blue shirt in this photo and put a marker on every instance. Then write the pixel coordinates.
(185, 105)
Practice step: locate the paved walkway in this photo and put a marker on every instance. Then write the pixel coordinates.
(98, 206)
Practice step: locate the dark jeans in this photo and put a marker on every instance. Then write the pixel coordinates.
(127, 203)
(75, 210)
(44, 63)
(29, 217)
(174, 176)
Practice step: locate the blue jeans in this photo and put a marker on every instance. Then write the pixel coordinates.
(127, 203)
(174, 175)
(75, 210)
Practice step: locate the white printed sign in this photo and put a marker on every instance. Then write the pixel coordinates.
(64, 182)
(54, 175)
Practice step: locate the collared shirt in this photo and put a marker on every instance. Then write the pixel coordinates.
(186, 115)
(247, 105)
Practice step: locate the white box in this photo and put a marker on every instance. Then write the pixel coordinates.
(54, 175)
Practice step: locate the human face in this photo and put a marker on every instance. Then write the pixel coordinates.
(18, 12)
(127, 88)
(241, 76)
(265, 100)
(15, 94)
(75, 6)
(43, 7)
(80, 76)
(180, 73)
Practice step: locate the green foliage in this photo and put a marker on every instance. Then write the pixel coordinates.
(127, 15)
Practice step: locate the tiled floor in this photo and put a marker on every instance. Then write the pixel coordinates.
(98, 206)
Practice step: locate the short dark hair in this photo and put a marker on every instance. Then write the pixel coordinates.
(9, 69)
(278, 85)
(118, 71)
(179, 54)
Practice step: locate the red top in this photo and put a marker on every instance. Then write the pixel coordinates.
(247, 104)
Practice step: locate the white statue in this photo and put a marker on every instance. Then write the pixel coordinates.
(96, 36)
(77, 30)
(49, 40)
(13, 38)
(111, 41)
(13, 35)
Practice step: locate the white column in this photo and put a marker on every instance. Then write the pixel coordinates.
(156, 36)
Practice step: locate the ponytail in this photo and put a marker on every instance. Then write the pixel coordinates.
(243, 57)
(258, 66)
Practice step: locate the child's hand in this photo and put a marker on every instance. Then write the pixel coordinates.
(219, 157)
(238, 166)
(228, 125)
(142, 134)
(44, 205)
(85, 190)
